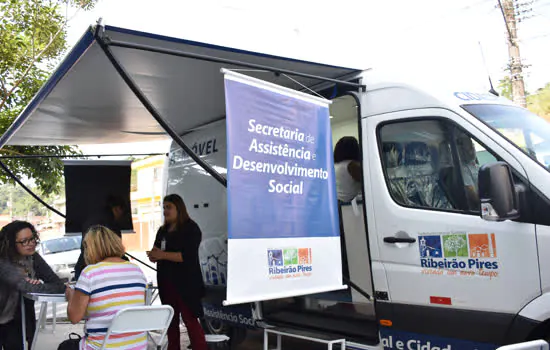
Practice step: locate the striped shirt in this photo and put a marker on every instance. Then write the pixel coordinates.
(112, 286)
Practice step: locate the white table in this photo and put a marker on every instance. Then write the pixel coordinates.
(43, 299)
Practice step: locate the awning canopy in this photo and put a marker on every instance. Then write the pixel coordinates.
(86, 101)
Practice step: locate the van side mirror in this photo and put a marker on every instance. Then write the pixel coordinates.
(497, 193)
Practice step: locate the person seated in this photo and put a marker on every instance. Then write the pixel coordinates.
(470, 169)
(22, 270)
(347, 167)
(107, 285)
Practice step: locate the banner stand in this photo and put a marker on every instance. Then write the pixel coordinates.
(267, 297)
(283, 223)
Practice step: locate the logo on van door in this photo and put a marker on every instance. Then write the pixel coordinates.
(466, 254)
(289, 263)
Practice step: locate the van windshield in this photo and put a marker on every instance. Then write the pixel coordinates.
(526, 130)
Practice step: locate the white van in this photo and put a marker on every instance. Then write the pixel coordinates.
(447, 247)
(442, 275)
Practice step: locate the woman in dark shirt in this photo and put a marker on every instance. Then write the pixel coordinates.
(176, 252)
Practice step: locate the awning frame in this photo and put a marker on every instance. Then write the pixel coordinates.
(98, 35)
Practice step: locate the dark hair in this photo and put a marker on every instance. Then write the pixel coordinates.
(8, 236)
(114, 201)
(180, 207)
(347, 148)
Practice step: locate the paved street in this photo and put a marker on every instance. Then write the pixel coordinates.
(49, 341)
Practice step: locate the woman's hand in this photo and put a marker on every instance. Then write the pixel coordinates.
(69, 293)
(155, 255)
(32, 281)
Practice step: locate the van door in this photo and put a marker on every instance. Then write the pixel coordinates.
(449, 273)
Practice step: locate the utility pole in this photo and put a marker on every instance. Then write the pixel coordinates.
(508, 9)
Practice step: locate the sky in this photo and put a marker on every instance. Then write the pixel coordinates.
(429, 41)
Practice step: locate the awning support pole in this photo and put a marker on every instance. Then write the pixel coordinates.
(149, 106)
(177, 53)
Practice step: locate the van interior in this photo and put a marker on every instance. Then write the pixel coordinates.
(346, 313)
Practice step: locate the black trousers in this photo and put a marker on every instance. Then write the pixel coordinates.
(11, 334)
(345, 267)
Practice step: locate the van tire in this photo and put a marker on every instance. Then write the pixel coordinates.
(236, 335)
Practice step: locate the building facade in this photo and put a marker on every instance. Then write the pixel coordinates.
(146, 197)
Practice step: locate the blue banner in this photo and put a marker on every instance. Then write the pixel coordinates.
(283, 224)
(281, 168)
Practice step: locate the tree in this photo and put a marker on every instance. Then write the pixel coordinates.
(23, 205)
(505, 87)
(539, 102)
(32, 39)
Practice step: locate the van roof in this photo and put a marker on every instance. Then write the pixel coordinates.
(85, 101)
(387, 94)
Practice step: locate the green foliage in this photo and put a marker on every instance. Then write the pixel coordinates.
(539, 102)
(505, 87)
(23, 203)
(32, 39)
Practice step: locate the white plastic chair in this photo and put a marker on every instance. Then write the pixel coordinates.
(530, 345)
(141, 319)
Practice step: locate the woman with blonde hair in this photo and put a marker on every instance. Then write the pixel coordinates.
(107, 284)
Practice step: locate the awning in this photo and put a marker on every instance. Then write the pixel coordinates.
(86, 101)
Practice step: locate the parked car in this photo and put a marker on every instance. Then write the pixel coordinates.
(61, 254)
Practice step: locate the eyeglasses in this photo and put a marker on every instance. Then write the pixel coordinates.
(29, 241)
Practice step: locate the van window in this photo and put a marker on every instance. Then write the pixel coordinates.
(527, 131)
(432, 164)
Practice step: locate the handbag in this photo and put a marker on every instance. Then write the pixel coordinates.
(71, 343)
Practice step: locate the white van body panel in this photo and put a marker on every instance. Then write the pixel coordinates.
(507, 293)
(385, 96)
(538, 309)
(357, 253)
(391, 96)
(543, 243)
(204, 197)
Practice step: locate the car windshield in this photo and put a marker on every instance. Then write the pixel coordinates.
(59, 245)
(526, 130)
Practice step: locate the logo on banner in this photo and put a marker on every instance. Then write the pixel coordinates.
(459, 253)
(289, 262)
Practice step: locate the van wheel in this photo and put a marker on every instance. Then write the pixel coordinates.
(236, 334)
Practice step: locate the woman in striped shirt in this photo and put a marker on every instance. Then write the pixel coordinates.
(108, 284)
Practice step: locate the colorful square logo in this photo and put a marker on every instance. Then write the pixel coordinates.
(304, 256)
(275, 257)
(430, 246)
(455, 246)
(482, 245)
(290, 256)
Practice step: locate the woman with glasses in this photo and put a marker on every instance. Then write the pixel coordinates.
(22, 270)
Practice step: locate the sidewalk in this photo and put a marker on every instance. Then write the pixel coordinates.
(50, 341)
